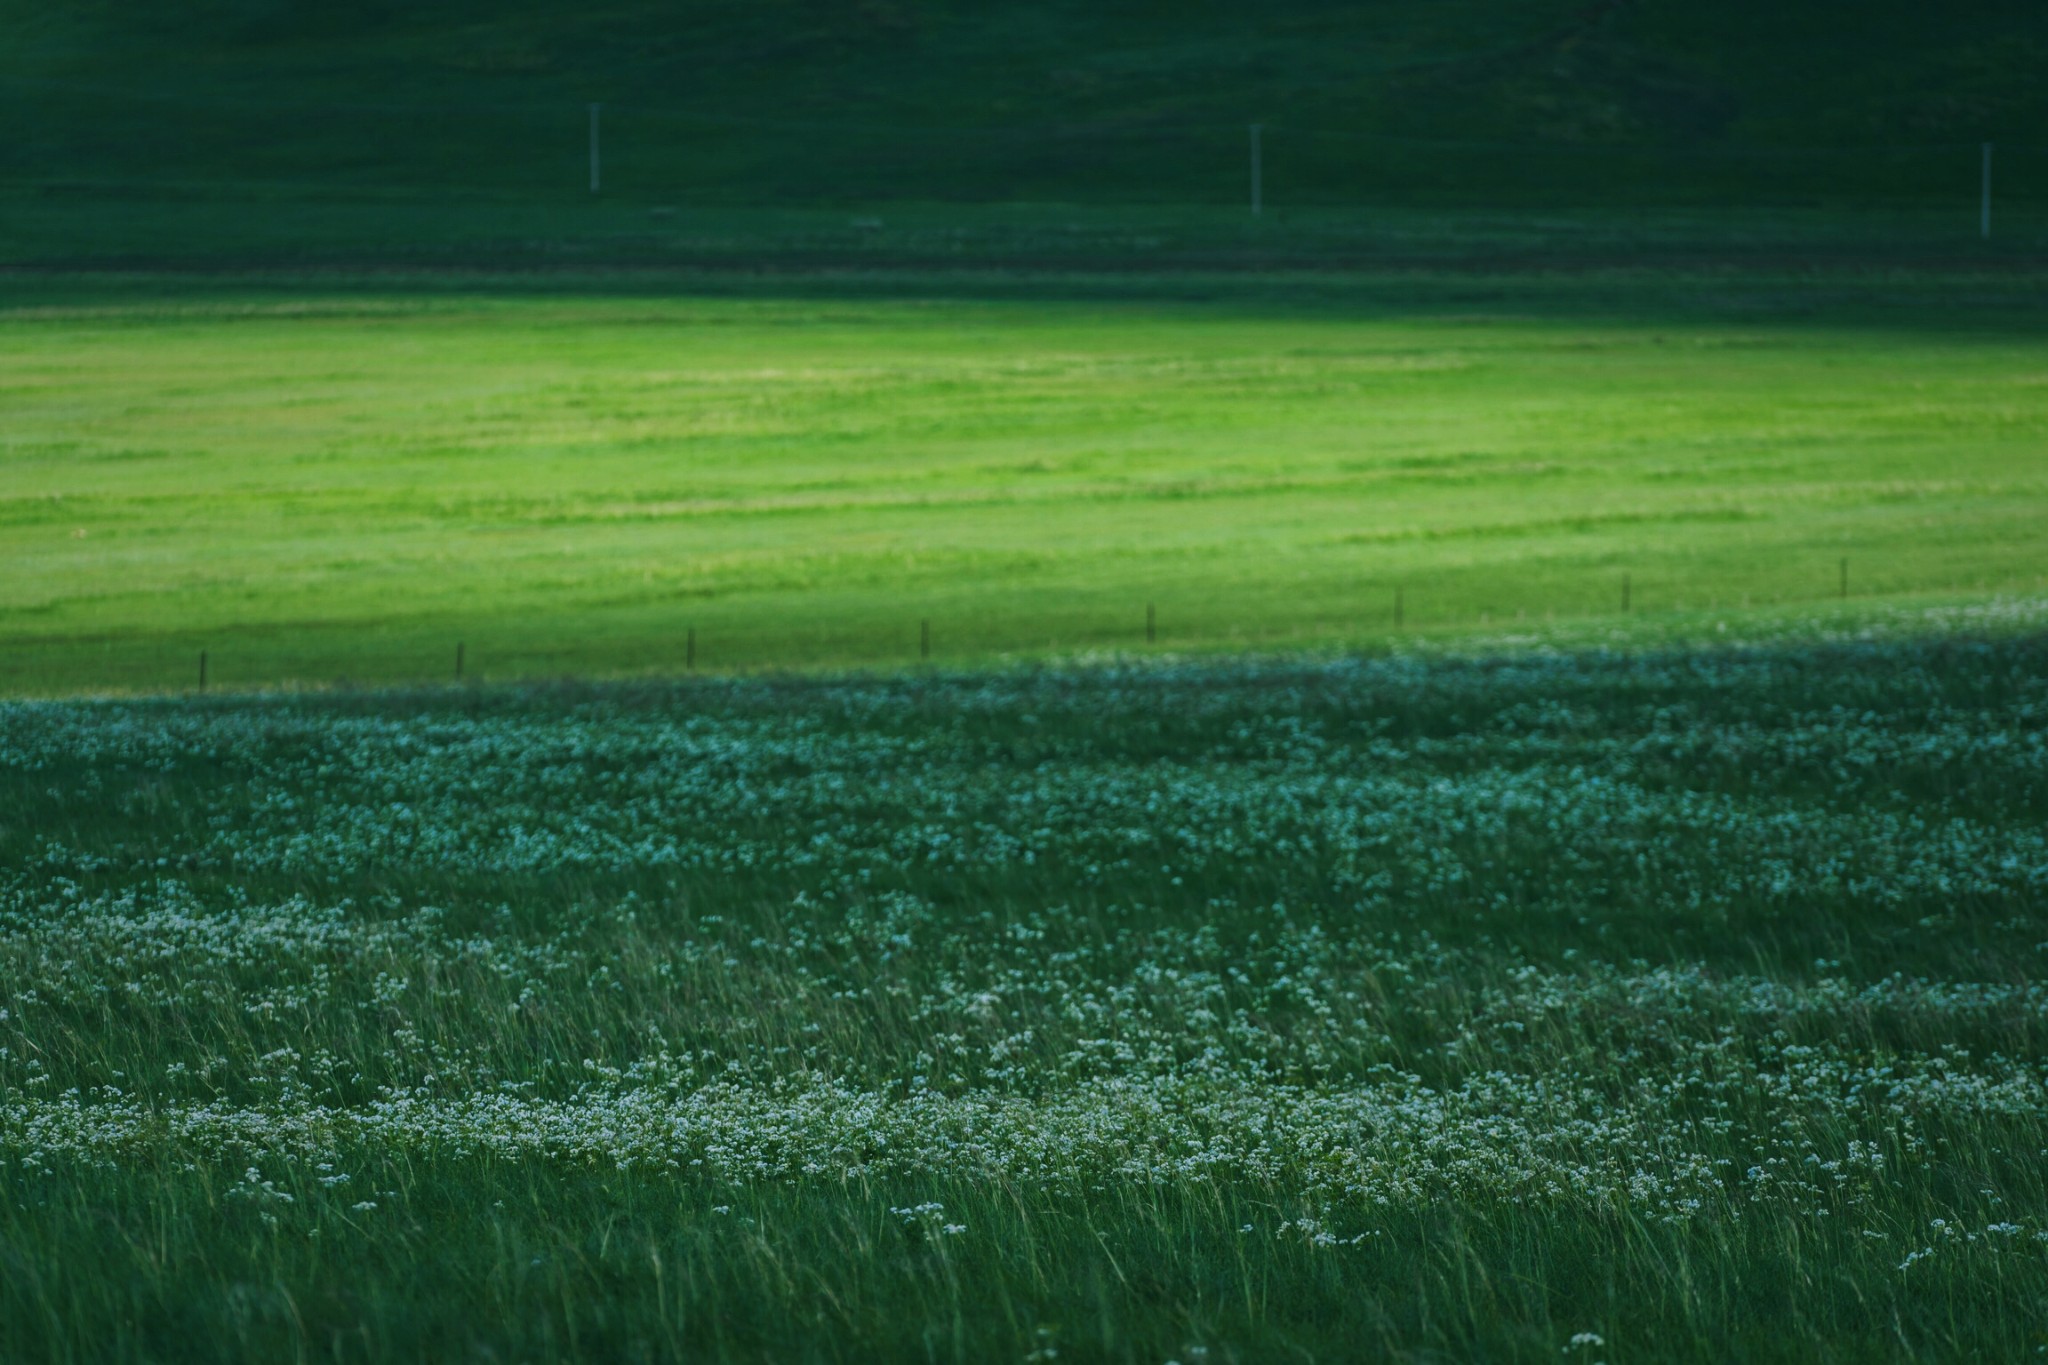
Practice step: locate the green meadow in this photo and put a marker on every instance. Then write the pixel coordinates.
(318, 480)
(1149, 684)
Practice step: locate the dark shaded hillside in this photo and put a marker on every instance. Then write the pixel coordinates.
(1476, 101)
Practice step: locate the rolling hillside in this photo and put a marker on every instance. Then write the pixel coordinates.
(822, 101)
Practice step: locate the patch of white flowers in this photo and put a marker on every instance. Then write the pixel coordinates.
(1168, 927)
(929, 1217)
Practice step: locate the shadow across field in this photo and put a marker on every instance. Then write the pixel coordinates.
(1915, 269)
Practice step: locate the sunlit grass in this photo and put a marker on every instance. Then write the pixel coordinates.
(317, 486)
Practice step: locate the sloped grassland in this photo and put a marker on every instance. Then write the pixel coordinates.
(917, 99)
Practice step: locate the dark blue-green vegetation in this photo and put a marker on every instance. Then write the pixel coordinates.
(264, 104)
(1672, 1005)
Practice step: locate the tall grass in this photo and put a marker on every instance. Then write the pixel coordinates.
(1667, 1005)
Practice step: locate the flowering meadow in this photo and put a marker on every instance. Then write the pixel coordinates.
(1546, 1006)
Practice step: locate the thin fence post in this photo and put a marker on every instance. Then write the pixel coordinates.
(1984, 207)
(1258, 172)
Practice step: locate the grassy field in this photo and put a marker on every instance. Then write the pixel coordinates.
(1046, 768)
(1656, 1006)
(323, 481)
